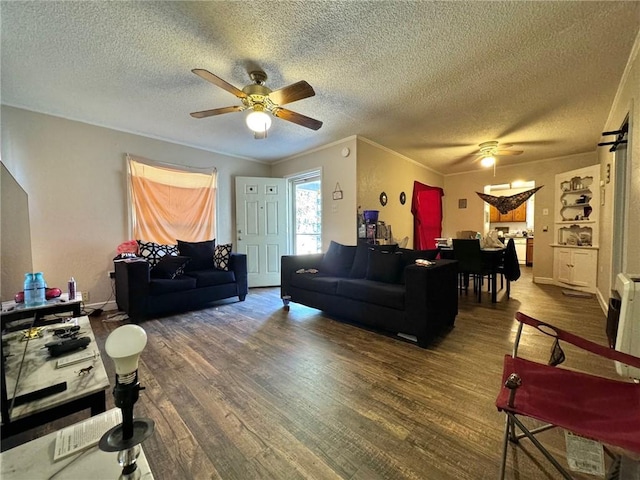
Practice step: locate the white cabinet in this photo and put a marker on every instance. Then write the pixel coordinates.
(576, 228)
(576, 267)
(521, 249)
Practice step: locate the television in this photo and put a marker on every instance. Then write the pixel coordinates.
(628, 335)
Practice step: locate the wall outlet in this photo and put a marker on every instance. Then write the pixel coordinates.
(85, 297)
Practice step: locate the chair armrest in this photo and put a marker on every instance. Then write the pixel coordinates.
(580, 342)
(238, 264)
(289, 264)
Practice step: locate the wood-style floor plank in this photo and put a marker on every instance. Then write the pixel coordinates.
(245, 390)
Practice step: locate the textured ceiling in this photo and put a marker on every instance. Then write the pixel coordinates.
(430, 80)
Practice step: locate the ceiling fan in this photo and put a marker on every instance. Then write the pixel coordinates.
(263, 102)
(490, 150)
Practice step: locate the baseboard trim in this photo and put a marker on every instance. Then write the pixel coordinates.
(109, 305)
(604, 303)
(544, 280)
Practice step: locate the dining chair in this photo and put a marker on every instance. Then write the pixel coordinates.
(470, 264)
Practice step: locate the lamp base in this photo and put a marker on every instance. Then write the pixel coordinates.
(113, 441)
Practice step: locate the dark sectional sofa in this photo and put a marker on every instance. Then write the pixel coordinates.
(367, 285)
(145, 290)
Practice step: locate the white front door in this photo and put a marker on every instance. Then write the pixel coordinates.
(261, 227)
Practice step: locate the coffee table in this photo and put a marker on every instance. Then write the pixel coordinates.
(83, 390)
(34, 459)
(12, 311)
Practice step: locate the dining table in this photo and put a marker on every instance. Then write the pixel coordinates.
(492, 256)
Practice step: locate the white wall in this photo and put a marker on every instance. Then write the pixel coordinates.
(338, 216)
(75, 177)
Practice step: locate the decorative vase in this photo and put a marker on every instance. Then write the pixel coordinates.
(587, 211)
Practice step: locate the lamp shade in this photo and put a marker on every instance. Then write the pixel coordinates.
(124, 346)
(488, 161)
(259, 121)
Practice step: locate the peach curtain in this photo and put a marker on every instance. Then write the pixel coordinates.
(170, 203)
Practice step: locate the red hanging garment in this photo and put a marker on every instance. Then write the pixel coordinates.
(426, 207)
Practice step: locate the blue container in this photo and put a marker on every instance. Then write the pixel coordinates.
(40, 286)
(29, 290)
(371, 216)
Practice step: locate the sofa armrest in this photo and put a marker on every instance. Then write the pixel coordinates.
(289, 264)
(238, 264)
(432, 295)
(132, 286)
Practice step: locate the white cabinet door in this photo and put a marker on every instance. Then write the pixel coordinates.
(564, 265)
(584, 268)
(521, 249)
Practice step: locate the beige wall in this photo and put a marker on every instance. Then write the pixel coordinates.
(383, 170)
(338, 216)
(75, 177)
(542, 173)
(627, 102)
(15, 235)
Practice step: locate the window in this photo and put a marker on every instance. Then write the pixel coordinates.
(170, 202)
(307, 212)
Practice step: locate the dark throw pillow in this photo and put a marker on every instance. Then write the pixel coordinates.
(361, 259)
(338, 259)
(221, 256)
(169, 266)
(384, 266)
(200, 253)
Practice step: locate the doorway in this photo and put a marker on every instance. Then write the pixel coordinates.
(621, 191)
(306, 212)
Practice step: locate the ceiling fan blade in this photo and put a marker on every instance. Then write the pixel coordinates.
(210, 77)
(508, 152)
(292, 93)
(298, 118)
(216, 111)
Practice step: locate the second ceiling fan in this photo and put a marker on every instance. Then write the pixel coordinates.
(263, 101)
(490, 150)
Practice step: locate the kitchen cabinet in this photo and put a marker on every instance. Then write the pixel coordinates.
(529, 256)
(517, 215)
(520, 213)
(576, 228)
(494, 214)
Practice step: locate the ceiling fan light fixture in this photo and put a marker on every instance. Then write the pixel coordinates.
(259, 121)
(488, 161)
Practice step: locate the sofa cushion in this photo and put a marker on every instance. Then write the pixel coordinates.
(221, 255)
(316, 282)
(338, 260)
(152, 252)
(384, 266)
(201, 254)
(169, 266)
(385, 294)
(361, 258)
(160, 286)
(209, 278)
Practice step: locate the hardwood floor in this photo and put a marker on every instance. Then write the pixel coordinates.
(249, 391)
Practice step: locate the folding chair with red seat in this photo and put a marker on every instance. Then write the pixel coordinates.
(590, 406)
